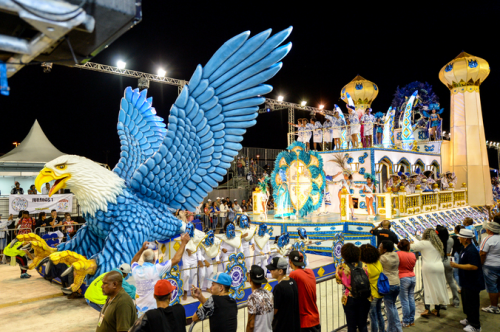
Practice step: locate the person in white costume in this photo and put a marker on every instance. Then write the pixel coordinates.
(308, 132)
(301, 126)
(248, 231)
(262, 248)
(231, 243)
(433, 272)
(318, 133)
(368, 120)
(190, 258)
(354, 126)
(327, 132)
(280, 248)
(207, 254)
(147, 274)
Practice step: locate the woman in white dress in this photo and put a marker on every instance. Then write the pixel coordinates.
(300, 130)
(337, 124)
(435, 291)
(318, 133)
(327, 132)
(355, 126)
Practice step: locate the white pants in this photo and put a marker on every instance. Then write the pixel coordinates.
(205, 273)
(224, 257)
(189, 275)
(248, 259)
(260, 260)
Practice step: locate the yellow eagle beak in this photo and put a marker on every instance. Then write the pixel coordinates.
(47, 175)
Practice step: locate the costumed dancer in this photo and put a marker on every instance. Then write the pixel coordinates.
(248, 232)
(452, 178)
(261, 241)
(429, 175)
(393, 179)
(280, 248)
(282, 197)
(308, 133)
(300, 130)
(434, 121)
(301, 243)
(379, 126)
(327, 132)
(264, 191)
(368, 120)
(346, 182)
(318, 133)
(354, 125)
(444, 182)
(368, 189)
(337, 125)
(208, 252)
(190, 258)
(231, 243)
(413, 182)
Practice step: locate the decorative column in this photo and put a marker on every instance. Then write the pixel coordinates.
(468, 157)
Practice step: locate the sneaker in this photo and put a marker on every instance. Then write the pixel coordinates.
(491, 309)
(23, 276)
(470, 328)
(464, 322)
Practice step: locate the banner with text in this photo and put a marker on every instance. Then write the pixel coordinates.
(40, 203)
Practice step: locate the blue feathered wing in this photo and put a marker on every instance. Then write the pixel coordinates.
(141, 132)
(208, 120)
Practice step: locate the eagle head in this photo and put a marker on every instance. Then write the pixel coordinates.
(93, 185)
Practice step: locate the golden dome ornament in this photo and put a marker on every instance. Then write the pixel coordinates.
(465, 73)
(362, 92)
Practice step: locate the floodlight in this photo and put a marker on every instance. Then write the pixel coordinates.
(303, 103)
(321, 107)
(162, 72)
(280, 98)
(120, 64)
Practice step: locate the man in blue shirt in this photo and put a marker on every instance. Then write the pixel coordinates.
(471, 280)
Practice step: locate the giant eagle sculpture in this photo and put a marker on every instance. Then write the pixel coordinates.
(162, 168)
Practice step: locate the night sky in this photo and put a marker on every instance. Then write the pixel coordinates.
(78, 109)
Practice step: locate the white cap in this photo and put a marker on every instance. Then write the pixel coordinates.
(218, 197)
(209, 200)
(235, 199)
(125, 268)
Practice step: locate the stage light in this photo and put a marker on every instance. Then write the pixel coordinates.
(321, 107)
(280, 98)
(268, 110)
(120, 64)
(162, 72)
(16, 144)
(303, 103)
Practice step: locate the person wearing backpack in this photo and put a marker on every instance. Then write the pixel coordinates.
(353, 275)
(408, 280)
(390, 263)
(371, 257)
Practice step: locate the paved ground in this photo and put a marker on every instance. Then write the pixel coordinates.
(450, 318)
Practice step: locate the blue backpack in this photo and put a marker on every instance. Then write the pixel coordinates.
(383, 286)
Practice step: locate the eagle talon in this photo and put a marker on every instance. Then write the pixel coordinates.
(78, 265)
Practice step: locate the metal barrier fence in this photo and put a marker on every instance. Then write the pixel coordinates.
(329, 302)
(11, 234)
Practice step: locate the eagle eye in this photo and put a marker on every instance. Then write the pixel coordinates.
(61, 167)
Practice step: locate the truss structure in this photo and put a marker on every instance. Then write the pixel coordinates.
(144, 78)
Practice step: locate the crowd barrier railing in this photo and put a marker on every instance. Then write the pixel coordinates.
(329, 301)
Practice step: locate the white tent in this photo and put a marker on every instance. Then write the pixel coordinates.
(25, 161)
